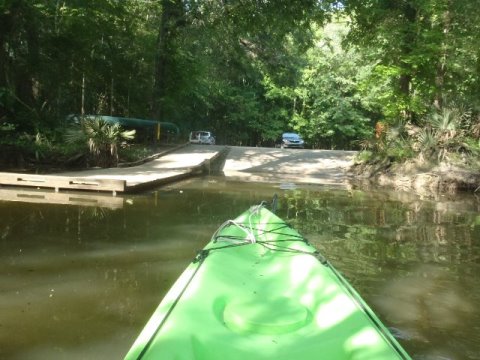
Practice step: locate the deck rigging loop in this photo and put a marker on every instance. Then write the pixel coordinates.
(249, 235)
(201, 255)
(256, 235)
(250, 230)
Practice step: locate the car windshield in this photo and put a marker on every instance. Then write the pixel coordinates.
(291, 136)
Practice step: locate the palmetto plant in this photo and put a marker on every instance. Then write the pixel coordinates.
(102, 139)
(447, 123)
(426, 143)
(443, 134)
(475, 128)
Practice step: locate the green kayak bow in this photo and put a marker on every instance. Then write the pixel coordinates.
(258, 290)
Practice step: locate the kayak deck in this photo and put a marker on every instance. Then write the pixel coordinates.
(259, 290)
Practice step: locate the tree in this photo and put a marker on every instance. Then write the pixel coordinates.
(172, 19)
(423, 51)
(330, 111)
(240, 50)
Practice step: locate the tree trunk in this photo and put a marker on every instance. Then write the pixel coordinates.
(5, 28)
(407, 45)
(21, 31)
(441, 70)
(112, 98)
(82, 106)
(4, 111)
(171, 19)
(160, 63)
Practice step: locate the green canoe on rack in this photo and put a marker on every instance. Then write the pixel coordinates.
(258, 290)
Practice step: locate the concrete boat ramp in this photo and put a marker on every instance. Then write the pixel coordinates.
(240, 163)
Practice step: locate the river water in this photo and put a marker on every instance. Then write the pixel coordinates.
(80, 281)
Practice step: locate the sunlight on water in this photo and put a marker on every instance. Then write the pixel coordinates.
(81, 281)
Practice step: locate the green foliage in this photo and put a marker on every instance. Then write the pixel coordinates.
(364, 156)
(444, 133)
(399, 151)
(422, 50)
(21, 150)
(135, 152)
(247, 70)
(330, 111)
(444, 136)
(6, 127)
(102, 139)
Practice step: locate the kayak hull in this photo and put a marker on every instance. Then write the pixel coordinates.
(259, 290)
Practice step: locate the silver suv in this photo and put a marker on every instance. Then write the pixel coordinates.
(201, 137)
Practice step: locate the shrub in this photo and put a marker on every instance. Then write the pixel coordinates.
(101, 138)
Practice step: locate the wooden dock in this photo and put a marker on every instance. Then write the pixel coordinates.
(186, 161)
(58, 182)
(46, 196)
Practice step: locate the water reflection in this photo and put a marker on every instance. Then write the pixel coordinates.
(81, 281)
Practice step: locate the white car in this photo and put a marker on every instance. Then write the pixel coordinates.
(201, 137)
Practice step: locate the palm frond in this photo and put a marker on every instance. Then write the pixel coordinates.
(426, 140)
(101, 137)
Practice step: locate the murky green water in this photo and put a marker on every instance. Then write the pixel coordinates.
(79, 282)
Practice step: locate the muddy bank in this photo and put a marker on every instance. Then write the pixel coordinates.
(419, 177)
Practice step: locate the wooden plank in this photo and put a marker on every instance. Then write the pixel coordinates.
(62, 182)
(50, 197)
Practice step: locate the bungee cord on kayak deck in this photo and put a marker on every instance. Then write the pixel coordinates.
(250, 229)
(251, 238)
(247, 230)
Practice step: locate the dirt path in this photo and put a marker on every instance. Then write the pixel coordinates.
(288, 165)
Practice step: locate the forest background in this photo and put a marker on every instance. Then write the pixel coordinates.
(400, 78)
